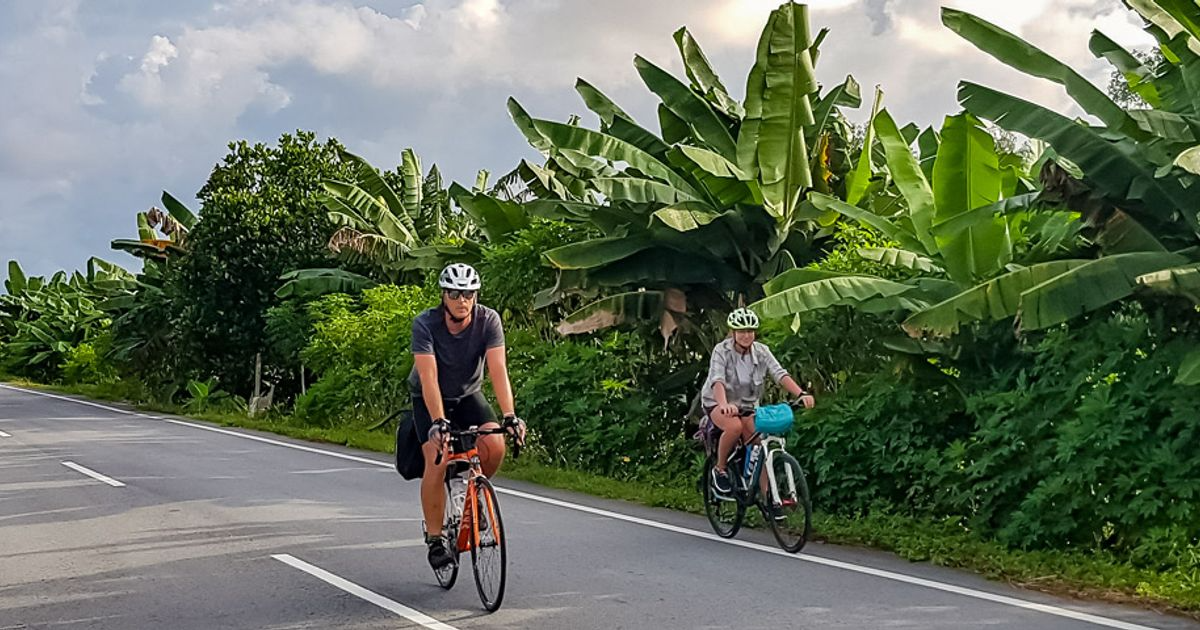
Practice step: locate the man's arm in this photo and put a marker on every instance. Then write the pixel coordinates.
(426, 366)
(497, 366)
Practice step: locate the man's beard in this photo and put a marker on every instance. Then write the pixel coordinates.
(453, 318)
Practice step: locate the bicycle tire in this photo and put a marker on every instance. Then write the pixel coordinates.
(489, 555)
(793, 526)
(448, 575)
(715, 507)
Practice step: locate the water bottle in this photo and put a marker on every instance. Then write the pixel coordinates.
(458, 488)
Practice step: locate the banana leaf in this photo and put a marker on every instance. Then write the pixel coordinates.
(687, 105)
(178, 211)
(636, 190)
(704, 78)
(1189, 369)
(306, 284)
(1017, 53)
(848, 290)
(906, 172)
(1111, 167)
(997, 298)
(785, 78)
(887, 228)
(859, 178)
(597, 252)
(903, 258)
(612, 149)
(1182, 281)
(410, 170)
(1088, 287)
(497, 219)
(614, 310)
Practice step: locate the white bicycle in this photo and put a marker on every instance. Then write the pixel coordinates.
(782, 496)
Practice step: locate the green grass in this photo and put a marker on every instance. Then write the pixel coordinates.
(1075, 573)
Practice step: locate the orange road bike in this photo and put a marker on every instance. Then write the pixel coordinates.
(472, 519)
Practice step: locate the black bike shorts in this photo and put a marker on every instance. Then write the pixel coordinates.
(463, 413)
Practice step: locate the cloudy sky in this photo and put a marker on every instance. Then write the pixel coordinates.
(105, 104)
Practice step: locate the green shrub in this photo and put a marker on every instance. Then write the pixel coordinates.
(360, 350)
(597, 405)
(86, 363)
(1084, 439)
(514, 272)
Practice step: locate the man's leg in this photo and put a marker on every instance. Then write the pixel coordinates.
(433, 497)
(475, 410)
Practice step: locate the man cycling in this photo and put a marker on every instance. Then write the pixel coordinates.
(736, 374)
(451, 343)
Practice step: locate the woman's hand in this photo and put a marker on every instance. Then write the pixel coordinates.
(808, 401)
(728, 409)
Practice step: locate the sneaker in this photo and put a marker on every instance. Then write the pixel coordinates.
(721, 483)
(439, 555)
(776, 512)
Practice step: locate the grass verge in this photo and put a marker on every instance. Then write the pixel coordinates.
(1082, 574)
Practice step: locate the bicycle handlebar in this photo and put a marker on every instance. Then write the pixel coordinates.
(746, 412)
(476, 431)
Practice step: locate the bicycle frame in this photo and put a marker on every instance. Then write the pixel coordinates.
(468, 533)
(770, 445)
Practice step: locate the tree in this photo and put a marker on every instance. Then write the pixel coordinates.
(260, 217)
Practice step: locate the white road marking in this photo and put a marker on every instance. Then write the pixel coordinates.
(4, 435)
(410, 614)
(94, 475)
(865, 570)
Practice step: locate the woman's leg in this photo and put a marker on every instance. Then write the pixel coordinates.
(731, 432)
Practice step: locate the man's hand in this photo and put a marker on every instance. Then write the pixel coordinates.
(439, 433)
(516, 427)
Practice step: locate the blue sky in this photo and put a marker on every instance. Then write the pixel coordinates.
(105, 104)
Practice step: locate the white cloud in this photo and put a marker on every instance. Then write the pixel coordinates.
(106, 116)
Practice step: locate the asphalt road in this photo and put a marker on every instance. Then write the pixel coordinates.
(114, 519)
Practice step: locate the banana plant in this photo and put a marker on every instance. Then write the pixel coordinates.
(42, 319)
(396, 231)
(174, 224)
(975, 219)
(706, 208)
(1136, 181)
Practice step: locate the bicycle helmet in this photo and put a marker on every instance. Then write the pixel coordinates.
(459, 276)
(742, 319)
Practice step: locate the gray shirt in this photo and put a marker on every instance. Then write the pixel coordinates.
(743, 375)
(459, 357)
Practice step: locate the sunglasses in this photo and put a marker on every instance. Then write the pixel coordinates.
(456, 294)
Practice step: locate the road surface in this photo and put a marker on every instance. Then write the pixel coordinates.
(111, 518)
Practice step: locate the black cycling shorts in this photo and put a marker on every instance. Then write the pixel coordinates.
(463, 413)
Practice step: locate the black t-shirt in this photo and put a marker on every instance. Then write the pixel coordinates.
(459, 357)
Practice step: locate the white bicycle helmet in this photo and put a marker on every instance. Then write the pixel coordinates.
(742, 319)
(459, 276)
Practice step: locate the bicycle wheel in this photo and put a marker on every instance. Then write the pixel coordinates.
(792, 518)
(447, 575)
(488, 554)
(725, 514)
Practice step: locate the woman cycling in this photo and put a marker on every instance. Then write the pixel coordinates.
(736, 375)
